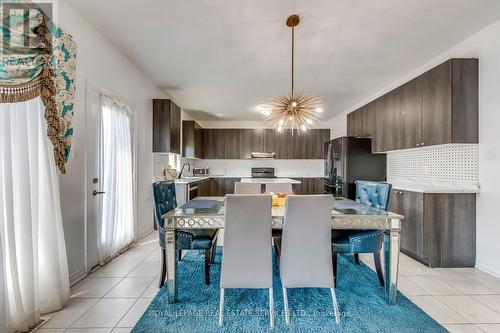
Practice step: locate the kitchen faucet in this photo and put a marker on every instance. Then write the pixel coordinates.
(182, 169)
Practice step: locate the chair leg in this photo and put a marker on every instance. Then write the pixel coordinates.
(271, 307)
(207, 266)
(356, 258)
(378, 267)
(213, 251)
(287, 312)
(179, 255)
(334, 262)
(221, 307)
(163, 272)
(277, 249)
(335, 306)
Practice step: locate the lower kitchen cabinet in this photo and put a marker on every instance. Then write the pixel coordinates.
(439, 229)
(309, 186)
(204, 187)
(216, 186)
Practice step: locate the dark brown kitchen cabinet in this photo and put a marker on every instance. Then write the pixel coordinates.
(450, 103)
(438, 107)
(166, 127)
(410, 108)
(232, 140)
(218, 186)
(240, 143)
(309, 186)
(361, 122)
(246, 144)
(411, 206)
(284, 145)
(204, 187)
(208, 144)
(387, 122)
(192, 139)
(438, 228)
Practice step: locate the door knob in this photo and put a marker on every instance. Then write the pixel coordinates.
(97, 192)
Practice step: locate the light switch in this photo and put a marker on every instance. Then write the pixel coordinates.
(491, 154)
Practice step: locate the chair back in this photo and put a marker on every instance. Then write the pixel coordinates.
(279, 188)
(375, 194)
(247, 188)
(247, 254)
(306, 252)
(164, 201)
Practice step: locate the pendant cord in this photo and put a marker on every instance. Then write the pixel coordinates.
(293, 60)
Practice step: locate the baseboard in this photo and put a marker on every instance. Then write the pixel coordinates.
(486, 269)
(144, 234)
(77, 276)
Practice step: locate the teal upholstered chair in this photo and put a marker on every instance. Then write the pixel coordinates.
(375, 194)
(165, 201)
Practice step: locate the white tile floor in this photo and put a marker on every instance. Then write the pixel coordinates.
(113, 298)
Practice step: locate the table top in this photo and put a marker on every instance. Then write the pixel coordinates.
(214, 206)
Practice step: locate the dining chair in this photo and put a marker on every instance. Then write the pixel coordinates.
(247, 255)
(164, 201)
(306, 255)
(375, 194)
(279, 188)
(247, 188)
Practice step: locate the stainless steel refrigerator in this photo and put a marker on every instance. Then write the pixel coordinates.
(348, 159)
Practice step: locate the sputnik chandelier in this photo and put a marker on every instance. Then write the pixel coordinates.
(296, 110)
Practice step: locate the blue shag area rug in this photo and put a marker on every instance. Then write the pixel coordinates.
(359, 294)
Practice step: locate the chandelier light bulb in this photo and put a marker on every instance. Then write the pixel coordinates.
(294, 104)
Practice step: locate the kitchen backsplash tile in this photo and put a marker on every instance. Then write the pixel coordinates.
(449, 163)
(283, 168)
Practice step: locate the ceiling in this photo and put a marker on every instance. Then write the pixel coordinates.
(221, 58)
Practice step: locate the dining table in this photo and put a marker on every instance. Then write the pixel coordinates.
(208, 213)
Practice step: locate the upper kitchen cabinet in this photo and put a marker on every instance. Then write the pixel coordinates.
(387, 123)
(166, 127)
(438, 107)
(450, 103)
(410, 109)
(192, 139)
(310, 144)
(240, 143)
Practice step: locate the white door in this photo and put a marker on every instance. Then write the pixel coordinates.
(111, 178)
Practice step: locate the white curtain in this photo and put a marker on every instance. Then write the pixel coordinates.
(117, 222)
(35, 270)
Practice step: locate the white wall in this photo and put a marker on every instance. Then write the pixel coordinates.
(485, 46)
(101, 64)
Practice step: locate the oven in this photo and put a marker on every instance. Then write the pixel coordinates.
(192, 191)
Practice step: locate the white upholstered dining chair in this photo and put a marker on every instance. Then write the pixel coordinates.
(279, 188)
(247, 188)
(306, 253)
(247, 254)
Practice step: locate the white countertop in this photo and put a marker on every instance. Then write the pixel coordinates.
(190, 180)
(422, 186)
(270, 180)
